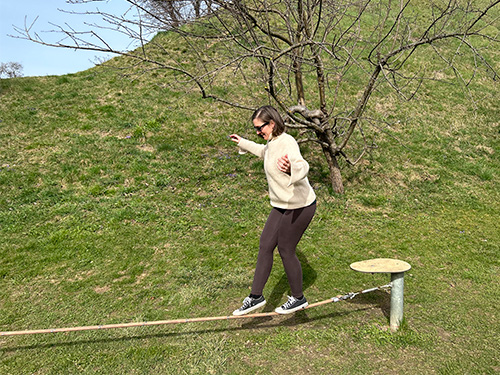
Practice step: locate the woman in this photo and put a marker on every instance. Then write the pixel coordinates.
(293, 201)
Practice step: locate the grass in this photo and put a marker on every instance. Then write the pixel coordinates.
(121, 201)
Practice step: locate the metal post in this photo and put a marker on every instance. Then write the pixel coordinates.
(398, 282)
(397, 269)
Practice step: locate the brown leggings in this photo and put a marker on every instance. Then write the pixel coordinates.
(284, 228)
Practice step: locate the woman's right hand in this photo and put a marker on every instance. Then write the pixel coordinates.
(235, 138)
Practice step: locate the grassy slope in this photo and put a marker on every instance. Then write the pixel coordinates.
(120, 201)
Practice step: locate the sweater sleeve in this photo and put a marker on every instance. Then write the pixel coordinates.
(249, 146)
(299, 168)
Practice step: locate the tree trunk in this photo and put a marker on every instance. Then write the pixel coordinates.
(328, 147)
(335, 176)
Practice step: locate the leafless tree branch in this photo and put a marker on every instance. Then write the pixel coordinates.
(319, 61)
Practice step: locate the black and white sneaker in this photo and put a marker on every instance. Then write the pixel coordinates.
(250, 304)
(293, 304)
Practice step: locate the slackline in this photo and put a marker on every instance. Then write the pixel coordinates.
(188, 320)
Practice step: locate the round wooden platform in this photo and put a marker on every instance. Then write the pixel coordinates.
(381, 265)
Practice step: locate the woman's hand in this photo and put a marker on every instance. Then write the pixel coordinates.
(284, 164)
(235, 138)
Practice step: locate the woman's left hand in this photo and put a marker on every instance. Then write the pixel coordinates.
(284, 164)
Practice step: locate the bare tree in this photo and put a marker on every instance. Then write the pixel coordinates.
(173, 13)
(320, 61)
(11, 69)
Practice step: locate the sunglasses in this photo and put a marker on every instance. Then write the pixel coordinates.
(258, 129)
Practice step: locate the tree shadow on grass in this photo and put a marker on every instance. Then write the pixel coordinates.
(299, 318)
(378, 299)
(362, 302)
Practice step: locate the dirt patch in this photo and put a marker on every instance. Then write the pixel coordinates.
(102, 289)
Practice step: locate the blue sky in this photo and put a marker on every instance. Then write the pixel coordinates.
(38, 60)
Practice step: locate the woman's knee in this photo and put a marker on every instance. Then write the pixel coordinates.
(287, 252)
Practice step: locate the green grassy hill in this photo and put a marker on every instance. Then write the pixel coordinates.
(121, 201)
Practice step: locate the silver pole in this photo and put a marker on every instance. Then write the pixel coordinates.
(398, 282)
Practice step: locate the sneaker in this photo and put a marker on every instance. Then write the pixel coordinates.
(250, 304)
(293, 304)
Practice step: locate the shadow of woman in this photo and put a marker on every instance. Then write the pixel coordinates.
(309, 276)
(282, 287)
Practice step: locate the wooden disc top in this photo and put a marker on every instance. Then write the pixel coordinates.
(381, 265)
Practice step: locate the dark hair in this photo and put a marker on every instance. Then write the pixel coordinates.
(267, 113)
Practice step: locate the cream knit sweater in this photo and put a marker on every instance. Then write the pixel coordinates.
(285, 191)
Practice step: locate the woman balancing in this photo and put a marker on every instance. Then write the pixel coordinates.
(293, 201)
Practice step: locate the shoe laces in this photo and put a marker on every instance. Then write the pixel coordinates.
(290, 302)
(246, 303)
